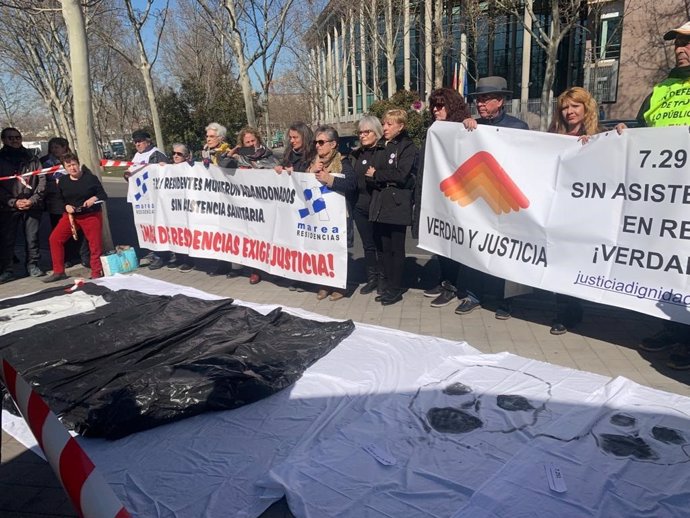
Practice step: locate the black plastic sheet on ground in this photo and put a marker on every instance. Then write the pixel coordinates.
(143, 360)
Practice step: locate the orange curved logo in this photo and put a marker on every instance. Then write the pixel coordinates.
(481, 176)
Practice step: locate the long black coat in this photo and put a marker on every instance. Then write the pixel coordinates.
(362, 160)
(393, 182)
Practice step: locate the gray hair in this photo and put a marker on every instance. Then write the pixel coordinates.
(329, 131)
(370, 122)
(220, 130)
(184, 147)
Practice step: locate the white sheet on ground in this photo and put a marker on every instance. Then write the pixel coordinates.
(21, 317)
(423, 452)
(625, 452)
(208, 465)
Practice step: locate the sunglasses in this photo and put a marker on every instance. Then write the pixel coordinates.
(177, 153)
(438, 106)
(321, 142)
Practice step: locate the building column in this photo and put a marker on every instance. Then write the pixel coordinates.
(329, 78)
(406, 45)
(526, 62)
(337, 84)
(353, 65)
(428, 68)
(363, 58)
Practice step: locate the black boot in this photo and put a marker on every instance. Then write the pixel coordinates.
(372, 281)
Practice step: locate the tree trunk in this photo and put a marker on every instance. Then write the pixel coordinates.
(439, 44)
(428, 72)
(390, 49)
(151, 96)
(546, 95)
(81, 88)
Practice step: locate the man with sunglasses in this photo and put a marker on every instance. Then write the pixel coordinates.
(21, 203)
(490, 96)
(146, 153)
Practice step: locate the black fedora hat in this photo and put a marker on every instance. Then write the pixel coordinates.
(492, 85)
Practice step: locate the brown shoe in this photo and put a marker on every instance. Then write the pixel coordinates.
(336, 295)
(322, 294)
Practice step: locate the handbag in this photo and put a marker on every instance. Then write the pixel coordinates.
(122, 260)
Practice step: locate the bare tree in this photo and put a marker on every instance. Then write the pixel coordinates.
(11, 94)
(81, 84)
(143, 59)
(267, 20)
(248, 45)
(391, 13)
(548, 32)
(33, 47)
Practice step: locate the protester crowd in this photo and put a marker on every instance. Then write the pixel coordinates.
(381, 181)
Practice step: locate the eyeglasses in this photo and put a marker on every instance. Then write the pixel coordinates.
(321, 142)
(137, 141)
(177, 153)
(13, 137)
(365, 132)
(438, 106)
(484, 99)
(211, 136)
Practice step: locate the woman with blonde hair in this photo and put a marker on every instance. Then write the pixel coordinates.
(392, 178)
(576, 114)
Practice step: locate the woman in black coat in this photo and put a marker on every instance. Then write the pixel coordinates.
(392, 178)
(370, 132)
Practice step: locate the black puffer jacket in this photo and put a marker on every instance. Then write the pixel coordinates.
(18, 161)
(393, 182)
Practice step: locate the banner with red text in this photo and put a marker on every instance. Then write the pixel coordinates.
(287, 225)
(606, 221)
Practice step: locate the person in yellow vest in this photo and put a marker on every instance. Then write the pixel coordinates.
(669, 105)
(669, 102)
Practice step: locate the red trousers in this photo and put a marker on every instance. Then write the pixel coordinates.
(91, 224)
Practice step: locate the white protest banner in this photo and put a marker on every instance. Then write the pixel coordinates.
(605, 221)
(288, 225)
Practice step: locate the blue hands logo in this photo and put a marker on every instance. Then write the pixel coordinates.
(315, 201)
(141, 184)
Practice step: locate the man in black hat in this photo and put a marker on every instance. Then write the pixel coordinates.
(490, 96)
(147, 153)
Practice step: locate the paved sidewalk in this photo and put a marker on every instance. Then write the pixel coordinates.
(605, 343)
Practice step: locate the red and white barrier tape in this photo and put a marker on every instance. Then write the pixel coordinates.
(47, 170)
(56, 168)
(120, 163)
(91, 495)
